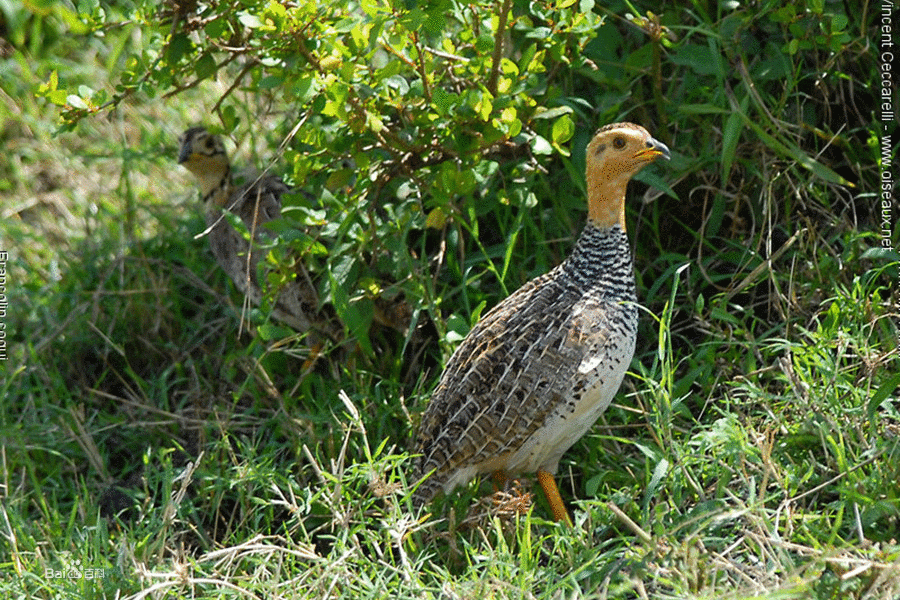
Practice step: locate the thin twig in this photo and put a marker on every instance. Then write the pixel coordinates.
(498, 47)
(420, 66)
(196, 82)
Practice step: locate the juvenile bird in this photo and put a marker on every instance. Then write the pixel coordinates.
(256, 203)
(536, 372)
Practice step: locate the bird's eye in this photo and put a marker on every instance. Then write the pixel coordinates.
(619, 142)
(209, 143)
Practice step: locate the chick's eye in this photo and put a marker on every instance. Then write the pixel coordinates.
(209, 143)
(619, 143)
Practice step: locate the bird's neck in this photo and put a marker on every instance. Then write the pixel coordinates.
(606, 198)
(216, 186)
(602, 259)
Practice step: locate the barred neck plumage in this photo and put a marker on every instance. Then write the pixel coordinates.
(601, 261)
(220, 192)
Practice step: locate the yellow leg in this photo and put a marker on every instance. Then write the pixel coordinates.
(548, 484)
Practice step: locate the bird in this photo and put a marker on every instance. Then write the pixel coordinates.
(256, 202)
(537, 371)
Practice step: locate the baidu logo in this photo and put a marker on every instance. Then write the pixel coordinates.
(74, 571)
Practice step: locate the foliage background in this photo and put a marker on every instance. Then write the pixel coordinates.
(753, 451)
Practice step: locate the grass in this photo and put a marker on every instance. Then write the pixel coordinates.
(753, 451)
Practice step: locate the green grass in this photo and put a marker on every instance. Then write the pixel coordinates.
(753, 451)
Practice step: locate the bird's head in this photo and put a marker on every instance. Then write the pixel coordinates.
(203, 154)
(617, 152)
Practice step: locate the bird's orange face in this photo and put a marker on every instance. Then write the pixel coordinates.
(203, 154)
(623, 149)
(613, 157)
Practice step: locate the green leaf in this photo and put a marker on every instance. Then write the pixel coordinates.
(785, 14)
(884, 390)
(457, 329)
(541, 33)
(374, 122)
(700, 59)
(540, 145)
(563, 129)
(179, 46)
(436, 219)
(50, 90)
(553, 113)
(703, 109)
(527, 55)
(76, 101)
(355, 313)
(270, 82)
(444, 101)
(839, 23)
(57, 97)
(273, 331)
(249, 21)
(484, 106)
(305, 88)
(230, 118)
(358, 317)
(205, 66)
(216, 28)
(74, 22)
(881, 254)
(731, 135)
(434, 24)
(662, 467)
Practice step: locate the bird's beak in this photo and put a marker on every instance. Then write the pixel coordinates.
(655, 150)
(184, 153)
